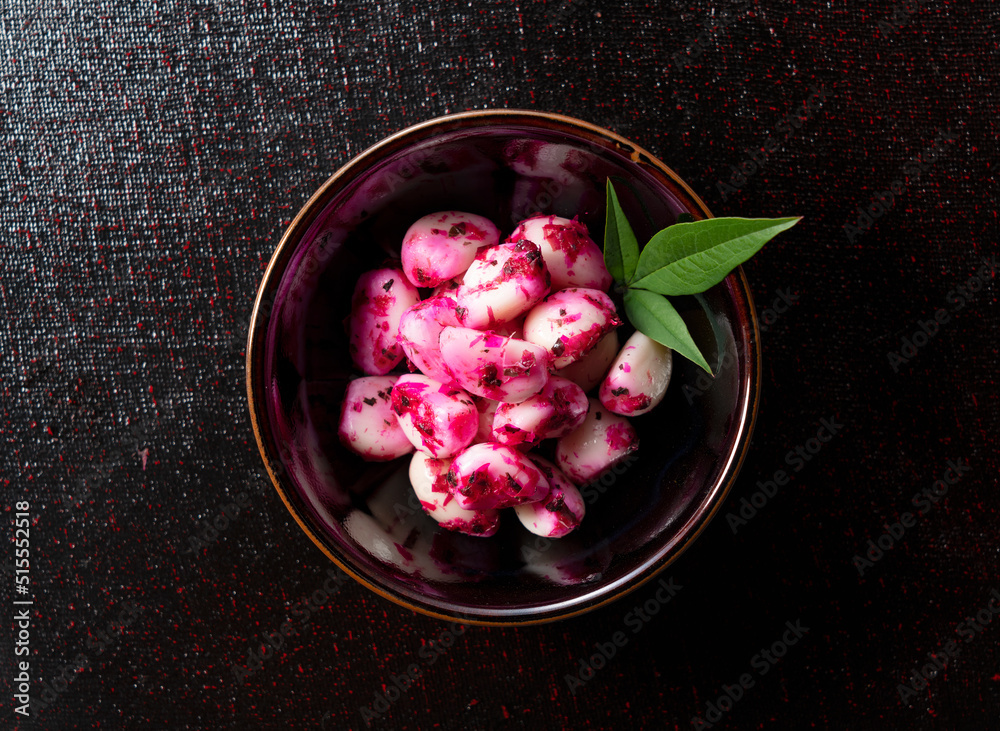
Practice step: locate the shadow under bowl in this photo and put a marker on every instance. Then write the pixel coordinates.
(506, 165)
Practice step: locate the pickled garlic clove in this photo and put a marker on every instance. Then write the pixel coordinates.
(601, 441)
(638, 378)
(442, 245)
(368, 425)
(381, 296)
(501, 284)
(562, 509)
(420, 333)
(437, 419)
(493, 366)
(429, 479)
(491, 476)
(555, 411)
(571, 256)
(570, 323)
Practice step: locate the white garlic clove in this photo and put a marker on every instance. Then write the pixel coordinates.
(492, 366)
(555, 411)
(437, 419)
(429, 479)
(571, 256)
(442, 245)
(491, 476)
(601, 441)
(562, 509)
(420, 333)
(570, 323)
(380, 298)
(368, 425)
(501, 284)
(638, 378)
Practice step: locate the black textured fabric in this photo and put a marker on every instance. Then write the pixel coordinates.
(153, 155)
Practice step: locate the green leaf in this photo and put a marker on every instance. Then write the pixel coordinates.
(621, 250)
(654, 316)
(688, 258)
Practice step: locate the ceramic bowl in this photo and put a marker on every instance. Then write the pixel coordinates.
(506, 165)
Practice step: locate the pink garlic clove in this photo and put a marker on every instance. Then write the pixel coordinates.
(380, 298)
(442, 245)
(501, 284)
(429, 479)
(638, 379)
(562, 509)
(571, 256)
(437, 419)
(570, 323)
(491, 476)
(603, 440)
(492, 366)
(591, 368)
(555, 411)
(420, 332)
(368, 425)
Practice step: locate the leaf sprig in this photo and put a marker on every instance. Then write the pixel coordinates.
(685, 258)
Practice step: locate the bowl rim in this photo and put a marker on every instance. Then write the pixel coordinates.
(316, 204)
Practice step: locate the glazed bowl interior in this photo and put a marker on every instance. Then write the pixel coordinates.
(506, 166)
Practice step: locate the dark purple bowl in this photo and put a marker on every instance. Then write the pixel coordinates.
(640, 517)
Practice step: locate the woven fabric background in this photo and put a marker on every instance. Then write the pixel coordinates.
(152, 155)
